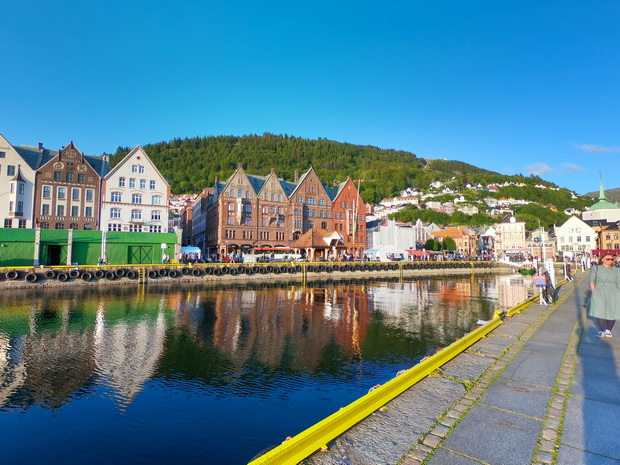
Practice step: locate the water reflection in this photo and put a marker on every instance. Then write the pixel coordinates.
(184, 348)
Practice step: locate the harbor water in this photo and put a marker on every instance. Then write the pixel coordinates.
(213, 375)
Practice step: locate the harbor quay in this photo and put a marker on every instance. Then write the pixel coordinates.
(541, 388)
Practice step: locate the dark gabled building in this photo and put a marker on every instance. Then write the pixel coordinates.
(67, 189)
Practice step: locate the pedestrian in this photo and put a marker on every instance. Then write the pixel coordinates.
(604, 302)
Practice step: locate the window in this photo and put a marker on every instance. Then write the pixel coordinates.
(239, 193)
(310, 224)
(135, 228)
(155, 215)
(311, 201)
(152, 185)
(20, 188)
(60, 226)
(155, 229)
(134, 168)
(247, 194)
(75, 211)
(140, 169)
(74, 226)
(321, 202)
(114, 227)
(231, 207)
(230, 233)
(62, 192)
(324, 225)
(47, 192)
(2, 154)
(156, 200)
(20, 206)
(88, 212)
(45, 209)
(75, 194)
(121, 182)
(300, 200)
(69, 178)
(115, 213)
(136, 214)
(8, 223)
(81, 179)
(279, 197)
(10, 170)
(132, 183)
(142, 183)
(115, 197)
(88, 227)
(45, 225)
(60, 211)
(136, 198)
(232, 193)
(89, 195)
(12, 189)
(57, 176)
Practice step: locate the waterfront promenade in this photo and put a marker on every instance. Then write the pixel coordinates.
(540, 389)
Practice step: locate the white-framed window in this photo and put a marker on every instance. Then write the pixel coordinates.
(60, 210)
(114, 227)
(132, 183)
(45, 209)
(156, 229)
(152, 185)
(62, 192)
(90, 194)
(135, 228)
(136, 214)
(47, 192)
(88, 212)
(75, 194)
(20, 188)
(155, 215)
(134, 168)
(156, 200)
(142, 183)
(136, 198)
(116, 197)
(115, 213)
(75, 210)
(121, 182)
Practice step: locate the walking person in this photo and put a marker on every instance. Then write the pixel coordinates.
(605, 299)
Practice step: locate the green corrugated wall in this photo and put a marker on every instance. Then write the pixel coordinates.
(17, 247)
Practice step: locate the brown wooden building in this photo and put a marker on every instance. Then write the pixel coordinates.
(249, 211)
(67, 191)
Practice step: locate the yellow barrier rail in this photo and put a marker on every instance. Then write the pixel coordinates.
(317, 436)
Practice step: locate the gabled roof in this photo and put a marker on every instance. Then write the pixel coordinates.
(318, 239)
(18, 176)
(36, 158)
(137, 148)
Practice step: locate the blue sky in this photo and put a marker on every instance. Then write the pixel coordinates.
(514, 87)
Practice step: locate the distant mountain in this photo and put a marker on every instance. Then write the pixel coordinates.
(612, 195)
(193, 164)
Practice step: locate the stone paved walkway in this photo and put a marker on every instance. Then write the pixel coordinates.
(555, 399)
(540, 389)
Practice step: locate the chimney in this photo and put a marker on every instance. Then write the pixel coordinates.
(40, 146)
(296, 176)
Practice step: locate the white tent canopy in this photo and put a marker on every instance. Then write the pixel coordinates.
(386, 253)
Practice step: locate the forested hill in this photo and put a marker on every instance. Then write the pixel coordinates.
(193, 164)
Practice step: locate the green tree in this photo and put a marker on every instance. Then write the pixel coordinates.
(448, 244)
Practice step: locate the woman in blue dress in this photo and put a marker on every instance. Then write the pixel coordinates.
(605, 300)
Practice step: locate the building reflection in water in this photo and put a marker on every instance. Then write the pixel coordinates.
(62, 345)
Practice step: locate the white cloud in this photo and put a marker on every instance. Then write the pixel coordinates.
(570, 168)
(593, 148)
(538, 169)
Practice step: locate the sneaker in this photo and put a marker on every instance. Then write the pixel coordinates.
(600, 333)
(608, 333)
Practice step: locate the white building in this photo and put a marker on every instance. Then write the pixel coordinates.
(575, 237)
(134, 196)
(509, 237)
(17, 178)
(402, 235)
